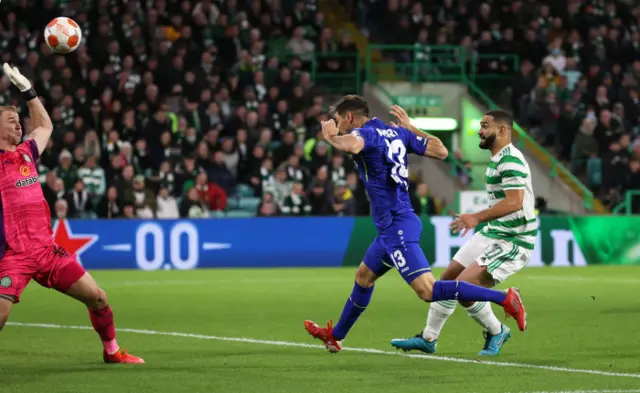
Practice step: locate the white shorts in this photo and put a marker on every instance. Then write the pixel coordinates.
(501, 257)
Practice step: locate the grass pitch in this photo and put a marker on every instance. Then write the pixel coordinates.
(241, 331)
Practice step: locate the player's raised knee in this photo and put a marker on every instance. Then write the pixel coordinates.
(4, 313)
(423, 286)
(365, 276)
(94, 298)
(98, 298)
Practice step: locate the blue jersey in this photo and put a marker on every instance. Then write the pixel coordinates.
(382, 164)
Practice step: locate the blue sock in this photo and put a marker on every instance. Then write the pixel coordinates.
(356, 304)
(463, 291)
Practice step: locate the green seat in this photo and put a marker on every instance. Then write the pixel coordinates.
(244, 190)
(248, 203)
(232, 203)
(217, 214)
(240, 214)
(594, 172)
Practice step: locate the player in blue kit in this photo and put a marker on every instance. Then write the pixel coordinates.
(380, 151)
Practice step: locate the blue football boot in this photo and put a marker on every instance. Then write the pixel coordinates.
(493, 344)
(416, 342)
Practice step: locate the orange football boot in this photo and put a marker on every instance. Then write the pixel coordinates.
(122, 357)
(325, 334)
(514, 307)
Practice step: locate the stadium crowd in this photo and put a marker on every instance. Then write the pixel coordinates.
(189, 108)
(178, 109)
(577, 86)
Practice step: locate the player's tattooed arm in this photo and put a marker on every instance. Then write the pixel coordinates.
(349, 143)
(435, 148)
(511, 203)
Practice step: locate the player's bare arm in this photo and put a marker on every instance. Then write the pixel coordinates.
(511, 203)
(349, 143)
(435, 148)
(40, 120)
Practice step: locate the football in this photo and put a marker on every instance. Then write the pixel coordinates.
(63, 35)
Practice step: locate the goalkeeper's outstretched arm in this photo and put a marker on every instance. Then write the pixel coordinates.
(40, 120)
(41, 123)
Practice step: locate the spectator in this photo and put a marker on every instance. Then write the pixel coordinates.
(192, 206)
(110, 206)
(296, 203)
(279, 186)
(93, 177)
(53, 189)
(422, 202)
(342, 201)
(359, 194)
(79, 201)
(213, 197)
(167, 204)
(61, 209)
(319, 191)
(142, 198)
(66, 170)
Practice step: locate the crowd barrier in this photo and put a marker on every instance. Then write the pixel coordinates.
(320, 242)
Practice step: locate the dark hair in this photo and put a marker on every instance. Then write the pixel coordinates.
(350, 103)
(501, 116)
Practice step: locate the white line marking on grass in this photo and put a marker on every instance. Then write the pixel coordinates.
(590, 391)
(578, 278)
(361, 350)
(154, 283)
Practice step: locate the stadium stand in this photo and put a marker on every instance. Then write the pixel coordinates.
(212, 108)
(575, 76)
(185, 109)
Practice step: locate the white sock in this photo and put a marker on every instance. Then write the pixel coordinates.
(439, 312)
(482, 313)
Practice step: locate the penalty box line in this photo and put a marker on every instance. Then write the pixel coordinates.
(360, 350)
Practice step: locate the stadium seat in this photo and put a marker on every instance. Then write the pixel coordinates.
(248, 204)
(217, 214)
(240, 214)
(243, 190)
(232, 203)
(594, 172)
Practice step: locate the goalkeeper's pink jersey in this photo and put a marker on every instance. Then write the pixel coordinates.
(24, 213)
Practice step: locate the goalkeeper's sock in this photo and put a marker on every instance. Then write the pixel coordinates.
(355, 306)
(465, 292)
(102, 321)
(439, 312)
(482, 313)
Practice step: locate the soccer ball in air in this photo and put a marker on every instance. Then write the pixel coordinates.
(63, 35)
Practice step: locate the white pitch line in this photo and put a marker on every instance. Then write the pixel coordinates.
(361, 350)
(578, 278)
(590, 391)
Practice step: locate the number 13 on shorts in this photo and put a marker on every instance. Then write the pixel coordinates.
(398, 259)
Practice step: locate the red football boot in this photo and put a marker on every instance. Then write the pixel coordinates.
(324, 334)
(121, 357)
(514, 307)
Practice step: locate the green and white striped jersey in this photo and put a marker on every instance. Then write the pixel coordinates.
(509, 170)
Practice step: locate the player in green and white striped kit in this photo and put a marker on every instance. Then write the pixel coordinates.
(502, 248)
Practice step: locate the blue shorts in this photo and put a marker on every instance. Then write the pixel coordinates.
(398, 246)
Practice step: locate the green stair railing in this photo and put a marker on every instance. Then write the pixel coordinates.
(524, 140)
(455, 165)
(626, 206)
(453, 64)
(347, 79)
